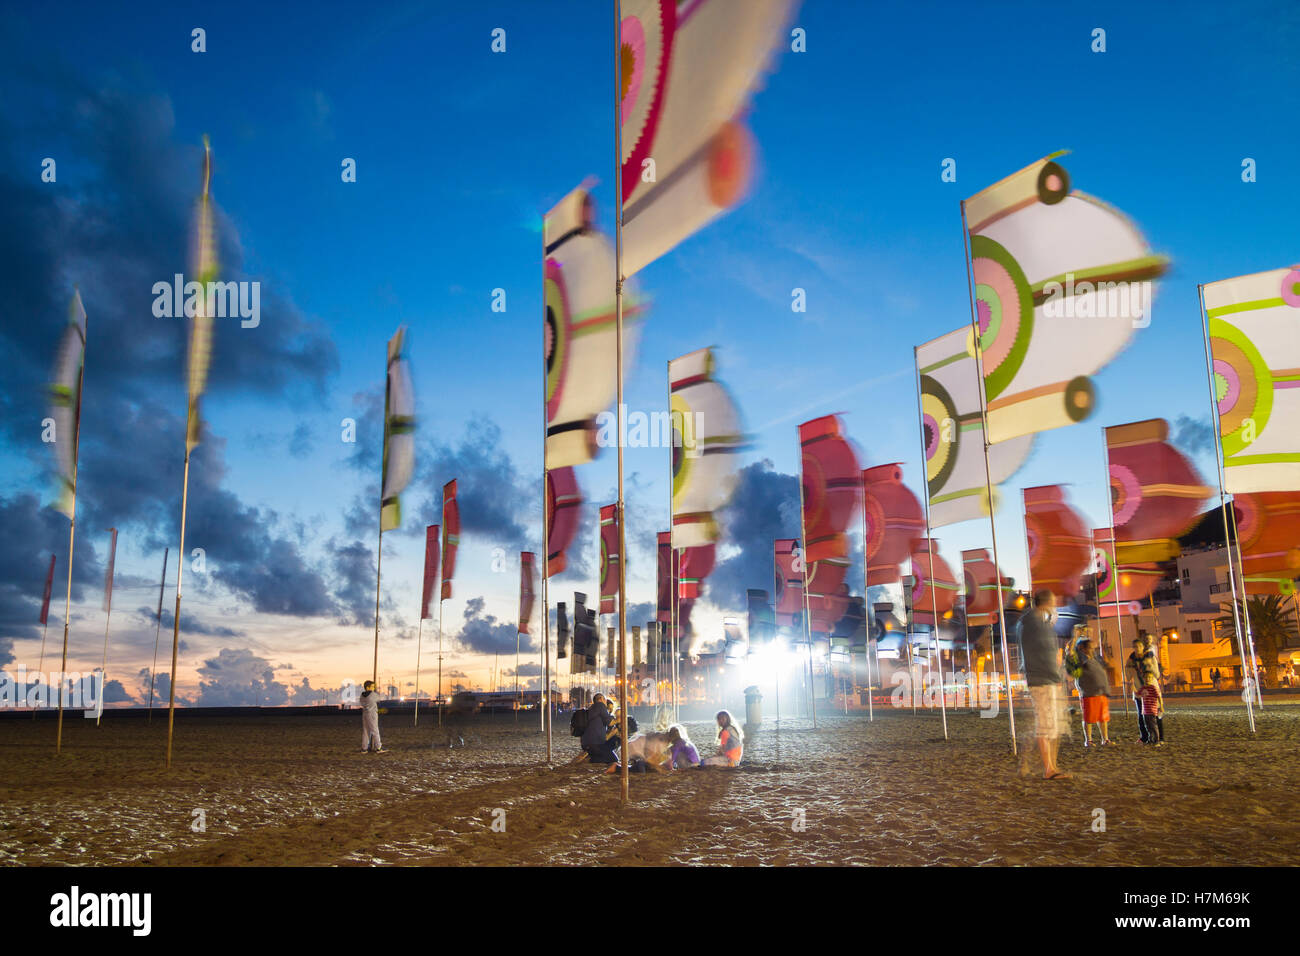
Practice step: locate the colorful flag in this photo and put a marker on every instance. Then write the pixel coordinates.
(527, 588)
(204, 257)
(693, 566)
(399, 432)
(788, 561)
(1254, 325)
(952, 431)
(65, 403)
(1268, 535)
(430, 569)
(108, 572)
(563, 509)
(49, 585)
(831, 485)
(706, 446)
(609, 559)
(636, 645)
(561, 631)
(688, 72)
(667, 578)
(931, 600)
(892, 520)
(611, 647)
(1120, 590)
(1156, 494)
(450, 535)
(982, 603)
(1060, 281)
(828, 594)
(580, 335)
(1060, 547)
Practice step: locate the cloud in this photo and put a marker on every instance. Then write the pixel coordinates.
(484, 634)
(488, 487)
(237, 677)
(115, 693)
(29, 534)
(1193, 435)
(189, 623)
(765, 506)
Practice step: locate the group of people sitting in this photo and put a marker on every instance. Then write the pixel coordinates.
(656, 751)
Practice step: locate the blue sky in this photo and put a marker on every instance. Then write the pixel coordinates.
(459, 150)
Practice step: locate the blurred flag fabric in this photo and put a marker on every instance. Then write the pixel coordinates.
(204, 257)
(952, 430)
(1058, 542)
(431, 550)
(527, 588)
(450, 535)
(788, 565)
(1268, 534)
(1061, 280)
(65, 403)
(563, 509)
(399, 433)
(108, 571)
(689, 69)
(45, 600)
(1254, 324)
(579, 340)
(609, 559)
(891, 519)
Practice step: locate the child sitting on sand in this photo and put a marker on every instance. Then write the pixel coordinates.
(1153, 709)
(730, 743)
(681, 752)
(1094, 687)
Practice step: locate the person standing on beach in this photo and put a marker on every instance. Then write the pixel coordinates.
(1142, 665)
(1041, 653)
(370, 719)
(1152, 704)
(1094, 691)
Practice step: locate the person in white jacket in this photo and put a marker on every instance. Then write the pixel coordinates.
(370, 719)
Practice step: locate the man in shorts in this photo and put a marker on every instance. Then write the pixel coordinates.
(1040, 653)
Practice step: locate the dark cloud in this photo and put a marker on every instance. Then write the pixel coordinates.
(484, 634)
(237, 677)
(115, 693)
(764, 507)
(494, 499)
(29, 534)
(354, 575)
(189, 623)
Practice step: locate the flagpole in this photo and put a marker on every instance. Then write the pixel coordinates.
(1223, 506)
(807, 613)
(618, 358)
(157, 631)
(45, 624)
(1245, 607)
(419, 641)
(930, 545)
(442, 703)
(72, 527)
(988, 472)
(866, 606)
(545, 698)
(108, 615)
(180, 573)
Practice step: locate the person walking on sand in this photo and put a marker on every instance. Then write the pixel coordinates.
(731, 743)
(370, 741)
(1041, 653)
(1141, 665)
(1094, 690)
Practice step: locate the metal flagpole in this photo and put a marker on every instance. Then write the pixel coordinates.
(674, 570)
(930, 544)
(866, 608)
(908, 607)
(807, 614)
(1245, 608)
(442, 701)
(419, 642)
(545, 698)
(618, 359)
(108, 614)
(157, 631)
(379, 564)
(176, 617)
(1223, 506)
(72, 527)
(518, 702)
(988, 473)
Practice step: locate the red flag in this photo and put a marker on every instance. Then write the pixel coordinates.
(527, 588)
(563, 503)
(693, 566)
(450, 535)
(1060, 548)
(664, 609)
(45, 601)
(609, 558)
(891, 521)
(108, 572)
(832, 482)
(430, 568)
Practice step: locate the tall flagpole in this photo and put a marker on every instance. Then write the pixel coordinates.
(72, 527)
(866, 605)
(379, 564)
(45, 632)
(442, 700)
(988, 472)
(176, 617)
(618, 358)
(108, 609)
(934, 602)
(1223, 506)
(1245, 608)
(419, 643)
(157, 631)
(545, 698)
(807, 614)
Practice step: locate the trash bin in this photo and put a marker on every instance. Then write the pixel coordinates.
(753, 707)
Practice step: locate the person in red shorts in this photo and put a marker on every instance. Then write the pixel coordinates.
(1094, 692)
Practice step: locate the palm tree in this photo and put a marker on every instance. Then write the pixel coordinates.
(1270, 626)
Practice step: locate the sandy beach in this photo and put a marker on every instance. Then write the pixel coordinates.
(295, 790)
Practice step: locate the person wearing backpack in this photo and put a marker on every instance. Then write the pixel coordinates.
(595, 736)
